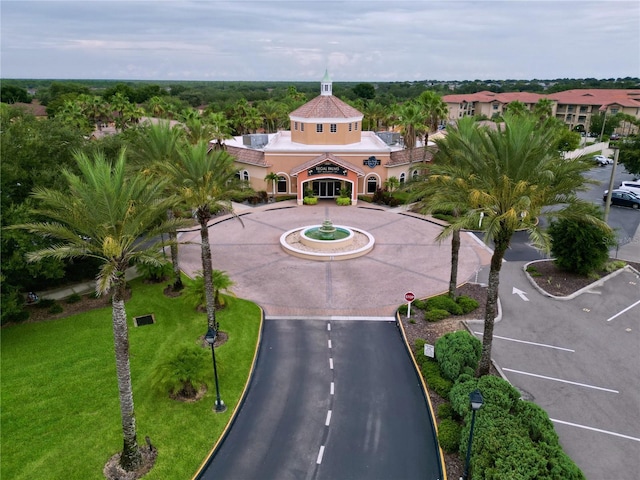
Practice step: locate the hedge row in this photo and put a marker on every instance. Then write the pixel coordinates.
(443, 306)
(513, 438)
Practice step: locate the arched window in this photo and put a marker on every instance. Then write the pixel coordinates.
(414, 174)
(245, 176)
(403, 177)
(282, 184)
(372, 184)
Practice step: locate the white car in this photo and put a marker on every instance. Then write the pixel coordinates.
(631, 186)
(602, 160)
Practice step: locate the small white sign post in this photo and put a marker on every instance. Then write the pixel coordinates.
(409, 297)
(429, 350)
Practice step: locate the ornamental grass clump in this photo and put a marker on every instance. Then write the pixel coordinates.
(183, 374)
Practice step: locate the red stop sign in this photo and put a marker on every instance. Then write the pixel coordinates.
(409, 296)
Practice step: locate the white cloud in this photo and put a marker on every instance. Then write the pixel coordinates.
(297, 39)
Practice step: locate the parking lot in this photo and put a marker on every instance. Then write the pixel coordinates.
(578, 359)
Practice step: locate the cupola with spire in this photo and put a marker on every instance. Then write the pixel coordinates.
(326, 120)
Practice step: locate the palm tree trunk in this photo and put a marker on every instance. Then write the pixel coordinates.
(500, 247)
(173, 237)
(207, 274)
(130, 458)
(455, 251)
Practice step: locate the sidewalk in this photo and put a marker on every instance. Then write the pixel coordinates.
(629, 251)
(80, 288)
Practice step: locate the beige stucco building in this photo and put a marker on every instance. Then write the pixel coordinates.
(574, 107)
(325, 151)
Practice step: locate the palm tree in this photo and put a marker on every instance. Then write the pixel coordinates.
(220, 129)
(156, 107)
(104, 214)
(501, 180)
(273, 178)
(430, 198)
(272, 114)
(543, 109)
(435, 110)
(155, 145)
(206, 182)
(412, 124)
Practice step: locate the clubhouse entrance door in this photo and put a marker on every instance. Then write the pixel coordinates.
(326, 188)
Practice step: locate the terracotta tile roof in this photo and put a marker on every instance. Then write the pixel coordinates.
(588, 96)
(402, 156)
(247, 155)
(327, 157)
(488, 97)
(597, 96)
(326, 106)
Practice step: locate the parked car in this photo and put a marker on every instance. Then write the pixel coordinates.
(602, 160)
(631, 186)
(623, 198)
(614, 136)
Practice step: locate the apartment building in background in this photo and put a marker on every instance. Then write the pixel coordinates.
(574, 107)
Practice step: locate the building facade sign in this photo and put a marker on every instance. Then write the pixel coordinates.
(327, 168)
(371, 162)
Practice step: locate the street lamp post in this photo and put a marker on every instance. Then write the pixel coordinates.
(607, 202)
(476, 400)
(210, 337)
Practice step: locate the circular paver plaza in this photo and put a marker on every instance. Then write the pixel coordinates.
(406, 257)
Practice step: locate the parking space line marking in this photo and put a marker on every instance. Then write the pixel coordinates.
(560, 380)
(628, 437)
(620, 313)
(320, 454)
(530, 343)
(328, 420)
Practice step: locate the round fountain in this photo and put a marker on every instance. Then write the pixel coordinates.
(327, 242)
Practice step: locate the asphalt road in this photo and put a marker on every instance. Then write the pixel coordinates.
(330, 399)
(578, 359)
(623, 220)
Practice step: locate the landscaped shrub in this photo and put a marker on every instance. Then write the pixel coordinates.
(421, 304)
(536, 420)
(445, 411)
(512, 438)
(403, 309)
(74, 298)
(310, 200)
(457, 351)
(155, 273)
(365, 198)
(431, 371)
(449, 432)
(444, 302)
(55, 308)
(579, 246)
(182, 374)
(343, 201)
(435, 315)
(467, 304)
(45, 303)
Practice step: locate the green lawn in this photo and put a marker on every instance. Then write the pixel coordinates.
(60, 412)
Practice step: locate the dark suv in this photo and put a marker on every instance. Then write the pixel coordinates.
(623, 198)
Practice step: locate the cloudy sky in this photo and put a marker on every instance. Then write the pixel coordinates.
(357, 40)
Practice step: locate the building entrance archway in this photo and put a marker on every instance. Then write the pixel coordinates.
(326, 188)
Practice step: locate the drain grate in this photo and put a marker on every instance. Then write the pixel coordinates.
(144, 320)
